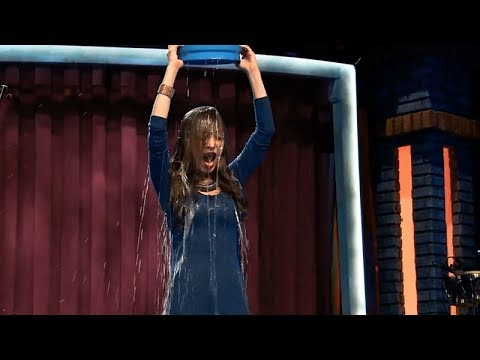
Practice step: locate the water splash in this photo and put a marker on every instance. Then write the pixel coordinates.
(213, 236)
(188, 87)
(117, 298)
(164, 258)
(179, 259)
(138, 260)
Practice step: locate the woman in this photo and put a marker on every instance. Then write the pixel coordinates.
(202, 198)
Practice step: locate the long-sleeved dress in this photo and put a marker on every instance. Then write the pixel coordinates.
(205, 268)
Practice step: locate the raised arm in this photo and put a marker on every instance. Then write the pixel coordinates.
(158, 154)
(254, 150)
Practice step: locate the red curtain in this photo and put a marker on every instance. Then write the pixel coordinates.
(80, 231)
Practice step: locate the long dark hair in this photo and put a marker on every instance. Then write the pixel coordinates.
(196, 127)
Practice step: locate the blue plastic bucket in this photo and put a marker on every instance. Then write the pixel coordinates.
(209, 54)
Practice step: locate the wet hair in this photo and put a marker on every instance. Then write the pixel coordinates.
(196, 127)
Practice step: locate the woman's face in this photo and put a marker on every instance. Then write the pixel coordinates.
(208, 153)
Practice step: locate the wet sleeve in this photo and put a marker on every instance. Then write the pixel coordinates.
(159, 158)
(255, 148)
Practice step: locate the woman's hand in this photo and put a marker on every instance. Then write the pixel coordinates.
(172, 55)
(248, 63)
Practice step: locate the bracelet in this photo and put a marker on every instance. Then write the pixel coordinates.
(166, 90)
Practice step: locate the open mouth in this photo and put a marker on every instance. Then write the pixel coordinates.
(209, 157)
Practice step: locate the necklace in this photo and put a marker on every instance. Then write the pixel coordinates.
(207, 187)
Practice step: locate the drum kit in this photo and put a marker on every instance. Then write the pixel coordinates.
(463, 289)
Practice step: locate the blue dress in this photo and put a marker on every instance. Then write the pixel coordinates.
(206, 277)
